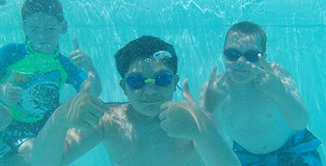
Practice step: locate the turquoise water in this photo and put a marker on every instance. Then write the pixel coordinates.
(296, 39)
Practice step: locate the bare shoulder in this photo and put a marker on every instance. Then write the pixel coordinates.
(280, 69)
(285, 76)
(114, 115)
(114, 110)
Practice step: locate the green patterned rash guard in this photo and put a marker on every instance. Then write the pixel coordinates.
(41, 76)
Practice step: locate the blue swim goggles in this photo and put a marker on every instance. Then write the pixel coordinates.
(137, 81)
(234, 54)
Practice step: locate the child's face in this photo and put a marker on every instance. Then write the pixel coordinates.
(242, 68)
(148, 99)
(43, 31)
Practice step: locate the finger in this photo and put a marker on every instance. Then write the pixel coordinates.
(92, 120)
(223, 78)
(14, 97)
(187, 96)
(164, 125)
(163, 115)
(213, 74)
(257, 80)
(74, 55)
(78, 63)
(89, 83)
(267, 67)
(15, 90)
(258, 70)
(97, 108)
(75, 43)
(84, 126)
(165, 105)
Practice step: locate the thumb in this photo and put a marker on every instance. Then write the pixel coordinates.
(75, 43)
(11, 77)
(89, 83)
(187, 96)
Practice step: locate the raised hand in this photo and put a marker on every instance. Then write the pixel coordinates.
(79, 58)
(216, 91)
(84, 110)
(10, 94)
(267, 80)
(183, 119)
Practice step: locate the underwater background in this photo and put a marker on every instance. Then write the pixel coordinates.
(295, 28)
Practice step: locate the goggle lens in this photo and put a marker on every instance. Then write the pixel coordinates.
(233, 55)
(137, 81)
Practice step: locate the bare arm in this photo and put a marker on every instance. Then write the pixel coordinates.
(49, 144)
(51, 147)
(186, 120)
(276, 82)
(80, 59)
(290, 102)
(214, 147)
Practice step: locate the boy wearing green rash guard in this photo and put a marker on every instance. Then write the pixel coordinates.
(32, 75)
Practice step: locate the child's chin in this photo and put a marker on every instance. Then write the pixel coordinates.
(241, 79)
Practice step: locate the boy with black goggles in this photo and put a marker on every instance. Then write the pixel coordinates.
(258, 104)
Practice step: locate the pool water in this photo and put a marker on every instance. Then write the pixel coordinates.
(295, 28)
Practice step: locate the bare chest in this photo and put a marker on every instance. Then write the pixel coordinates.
(255, 123)
(151, 147)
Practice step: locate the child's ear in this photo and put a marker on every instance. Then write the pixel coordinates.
(64, 27)
(123, 86)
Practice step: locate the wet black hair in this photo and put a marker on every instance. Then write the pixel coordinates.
(143, 47)
(52, 7)
(248, 28)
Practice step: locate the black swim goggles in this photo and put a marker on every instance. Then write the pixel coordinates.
(234, 54)
(136, 81)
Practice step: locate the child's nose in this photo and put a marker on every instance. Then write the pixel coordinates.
(242, 59)
(42, 35)
(150, 88)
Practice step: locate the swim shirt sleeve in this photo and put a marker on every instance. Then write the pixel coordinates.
(76, 76)
(9, 54)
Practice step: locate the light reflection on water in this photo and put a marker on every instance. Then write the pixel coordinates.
(197, 29)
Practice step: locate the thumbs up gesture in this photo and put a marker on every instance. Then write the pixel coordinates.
(183, 119)
(79, 58)
(10, 94)
(84, 110)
